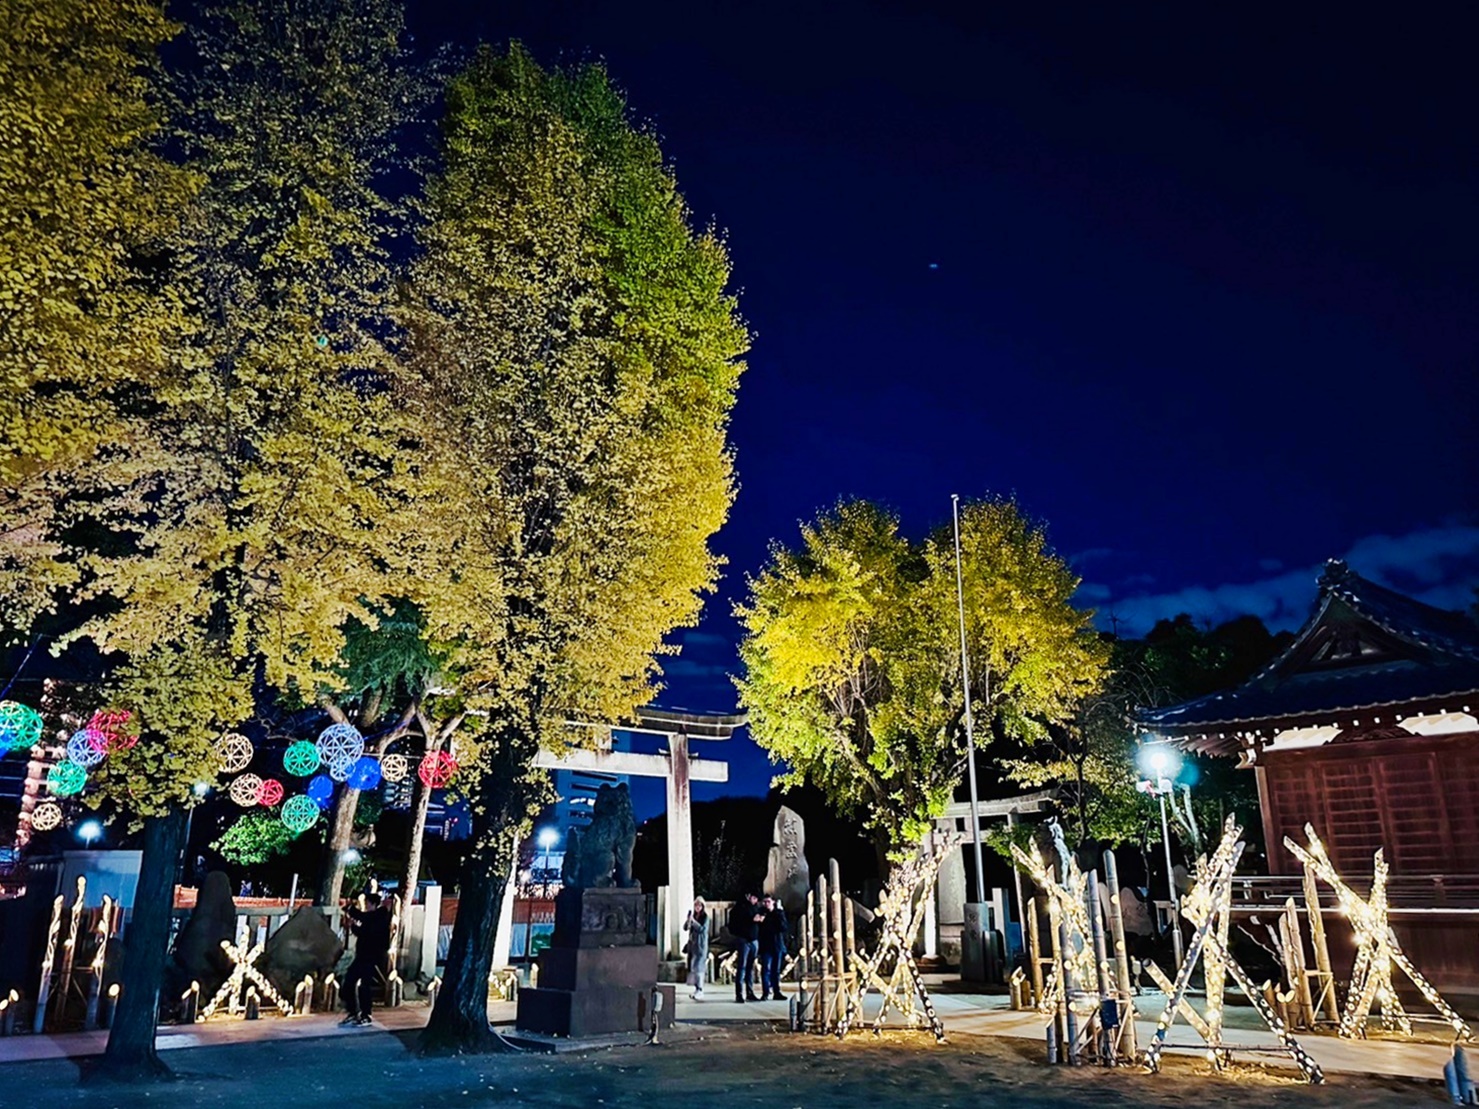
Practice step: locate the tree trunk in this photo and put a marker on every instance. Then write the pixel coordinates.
(506, 795)
(130, 1055)
(459, 1021)
(412, 873)
(331, 878)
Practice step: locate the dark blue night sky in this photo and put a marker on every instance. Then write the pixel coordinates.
(1199, 288)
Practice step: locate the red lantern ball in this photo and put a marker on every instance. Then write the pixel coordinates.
(436, 769)
(110, 730)
(269, 792)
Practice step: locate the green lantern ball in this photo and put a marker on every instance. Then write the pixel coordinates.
(301, 759)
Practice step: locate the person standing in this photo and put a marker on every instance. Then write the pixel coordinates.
(371, 930)
(696, 946)
(773, 928)
(744, 926)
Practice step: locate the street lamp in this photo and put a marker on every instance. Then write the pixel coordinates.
(1163, 764)
(89, 831)
(548, 837)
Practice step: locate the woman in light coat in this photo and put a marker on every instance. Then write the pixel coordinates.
(696, 946)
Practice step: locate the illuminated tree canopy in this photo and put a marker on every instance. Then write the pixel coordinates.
(851, 656)
(573, 355)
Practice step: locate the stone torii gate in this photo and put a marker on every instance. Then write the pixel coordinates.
(680, 768)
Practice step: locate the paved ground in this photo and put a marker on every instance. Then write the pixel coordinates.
(736, 1065)
(968, 1014)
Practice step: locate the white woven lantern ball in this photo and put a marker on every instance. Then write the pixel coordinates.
(394, 768)
(87, 747)
(235, 753)
(244, 790)
(339, 745)
(48, 815)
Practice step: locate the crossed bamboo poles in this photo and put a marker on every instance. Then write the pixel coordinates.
(1377, 949)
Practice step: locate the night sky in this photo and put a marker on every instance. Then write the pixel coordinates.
(1198, 288)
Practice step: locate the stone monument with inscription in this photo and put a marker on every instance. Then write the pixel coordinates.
(599, 973)
(787, 877)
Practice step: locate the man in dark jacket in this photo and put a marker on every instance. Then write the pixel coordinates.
(744, 926)
(772, 948)
(371, 945)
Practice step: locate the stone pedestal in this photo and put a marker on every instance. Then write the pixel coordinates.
(598, 974)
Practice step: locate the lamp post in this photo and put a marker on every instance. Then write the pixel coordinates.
(1163, 764)
(90, 832)
(970, 737)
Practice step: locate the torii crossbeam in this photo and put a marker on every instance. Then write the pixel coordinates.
(680, 769)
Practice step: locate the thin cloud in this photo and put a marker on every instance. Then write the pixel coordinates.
(1439, 566)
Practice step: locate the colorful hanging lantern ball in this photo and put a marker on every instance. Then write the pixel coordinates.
(244, 790)
(47, 815)
(364, 774)
(300, 813)
(235, 753)
(321, 790)
(269, 793)
(112, 728)
(394, 768)
(66, 778)
(340, 745)
(300, 759)
(20, 726)
(87, 748)
(436, 770)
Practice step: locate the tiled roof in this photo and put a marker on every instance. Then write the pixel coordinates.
(1438, 664)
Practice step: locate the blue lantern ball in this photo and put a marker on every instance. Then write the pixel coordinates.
(340, 744)
(320, 790)
(364, 774)
(87, 747)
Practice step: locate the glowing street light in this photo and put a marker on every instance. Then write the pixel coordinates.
(548, 837)
(90, 831)
(1163, 763)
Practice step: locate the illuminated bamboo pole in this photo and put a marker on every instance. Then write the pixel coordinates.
(808, 957)
(1214, 966)
(1103, 975)
(69, 948)
(824, 949)
(1071, 1026)
(1167, 987)
(839, 955)
(105, 932)
(1302, 1058)
(1188, 962)
(1060, 992)
(806, 952)
(43, 993)
(1123, 979)
(854, 991)
(1322, 948)
(1294, 961)
(1034, 945)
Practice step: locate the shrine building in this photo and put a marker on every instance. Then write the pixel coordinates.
(1365, 729)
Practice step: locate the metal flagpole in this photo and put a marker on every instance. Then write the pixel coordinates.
(970, 737)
